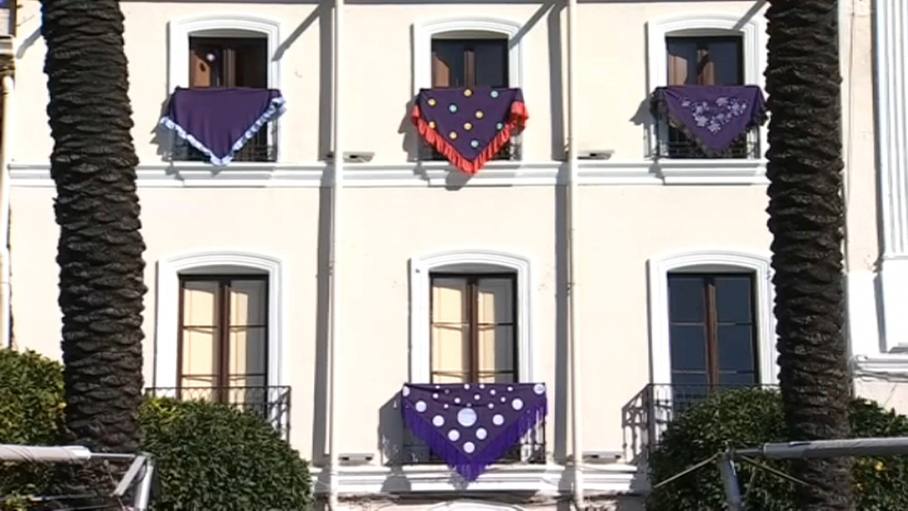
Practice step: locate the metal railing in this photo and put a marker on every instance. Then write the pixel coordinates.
(272, 403)
(258, 149)
(647, 415)
(510, 152)
(530, 449)
(674, 144)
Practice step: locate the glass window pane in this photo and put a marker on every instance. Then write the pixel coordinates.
(450, 55)
(734, 297)
(496, 301)
(688, 388)
(450, 350)
(686, 297)
(741, 379)
(496, 349)
(725, 56)
(248, 354)
(491, 63)
(682, 61)
(688, 347)
(200, 303)
(736, 348)
(248, 302)
(449, 300)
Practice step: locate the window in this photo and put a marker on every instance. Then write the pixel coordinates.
(473, 328)
(223, 62)
(223, 337)
(469, 63)
(712, 332)
(702, 61)
(228, 62)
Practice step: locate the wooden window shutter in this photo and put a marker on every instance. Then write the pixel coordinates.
(441, 73)
(251, 64)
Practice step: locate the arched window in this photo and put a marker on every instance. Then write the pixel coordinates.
(471, 317)
(703, 49)
(711, 320)
(220, 321)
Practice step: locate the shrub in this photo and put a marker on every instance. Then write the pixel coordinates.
(31, 407)
(213, 456)
(748, 418)
(209, 455)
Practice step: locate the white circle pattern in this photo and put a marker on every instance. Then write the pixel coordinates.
(481, 433)
(468, 447)
(420, 406)
(438, 421)
(466, 417)
(517, 403)
(498, 419)
(453, 435)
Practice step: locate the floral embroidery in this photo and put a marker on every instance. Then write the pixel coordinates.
(714, 116)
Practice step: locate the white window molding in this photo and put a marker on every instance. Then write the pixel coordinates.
(711, 260)
(466, 26)
(470, 260)
(223, 24)
(750, 29)
(473, 505)
(214, 24)
(224, 261)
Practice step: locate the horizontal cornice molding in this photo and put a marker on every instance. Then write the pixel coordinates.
(433, 174)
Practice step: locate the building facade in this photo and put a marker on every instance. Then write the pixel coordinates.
(601, 252)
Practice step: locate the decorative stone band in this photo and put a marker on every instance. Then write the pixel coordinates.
(715, 117)
(472, 425)
(469, 126)
(219, 122)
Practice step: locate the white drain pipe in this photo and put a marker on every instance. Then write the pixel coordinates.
(572, 200)
(6, 90)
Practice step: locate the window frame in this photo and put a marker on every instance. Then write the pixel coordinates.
(472, 279)
(472, 260)
(711, 368)
(711, 260)
(465, 42)
(749, 26)
(222, 375)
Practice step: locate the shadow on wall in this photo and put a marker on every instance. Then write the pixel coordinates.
(559, 386)
(322, 328)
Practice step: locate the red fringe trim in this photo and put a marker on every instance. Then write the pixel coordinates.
(516, 122)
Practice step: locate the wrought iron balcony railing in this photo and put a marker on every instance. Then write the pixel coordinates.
(673, 143)
(510, 152)
(530, 449)
(260, 149)
(647, 415)
(272, 403)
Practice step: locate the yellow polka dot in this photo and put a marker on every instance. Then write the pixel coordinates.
(432, 124)
(479, 114)
(467, 126)
(431, 102)
(467, 92)
(452, 135)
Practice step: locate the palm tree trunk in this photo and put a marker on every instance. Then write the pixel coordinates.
(807, 220)
(100, 246)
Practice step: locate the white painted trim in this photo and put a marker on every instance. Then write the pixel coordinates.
(710, 260)
(881, 367)
(863, 315)
(228, 23)
(470, 25)
(223, 260)
(752, 31)
(424, 30)
(426, 174)
(542, 480)
(890, 33)
(486, 259)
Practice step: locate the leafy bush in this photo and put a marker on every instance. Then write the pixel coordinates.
(747, 418)
(213, 456)
(209, 455)
(31, 407)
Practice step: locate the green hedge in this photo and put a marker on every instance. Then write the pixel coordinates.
(209, 455)
(747, 418)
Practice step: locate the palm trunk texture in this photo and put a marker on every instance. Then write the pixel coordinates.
(807, 220)
(97, 209)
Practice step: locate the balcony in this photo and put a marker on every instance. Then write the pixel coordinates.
(272, 403)
(647, 415)
(672, 143)
(530, 449)
(510, 152)
(261, 148)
